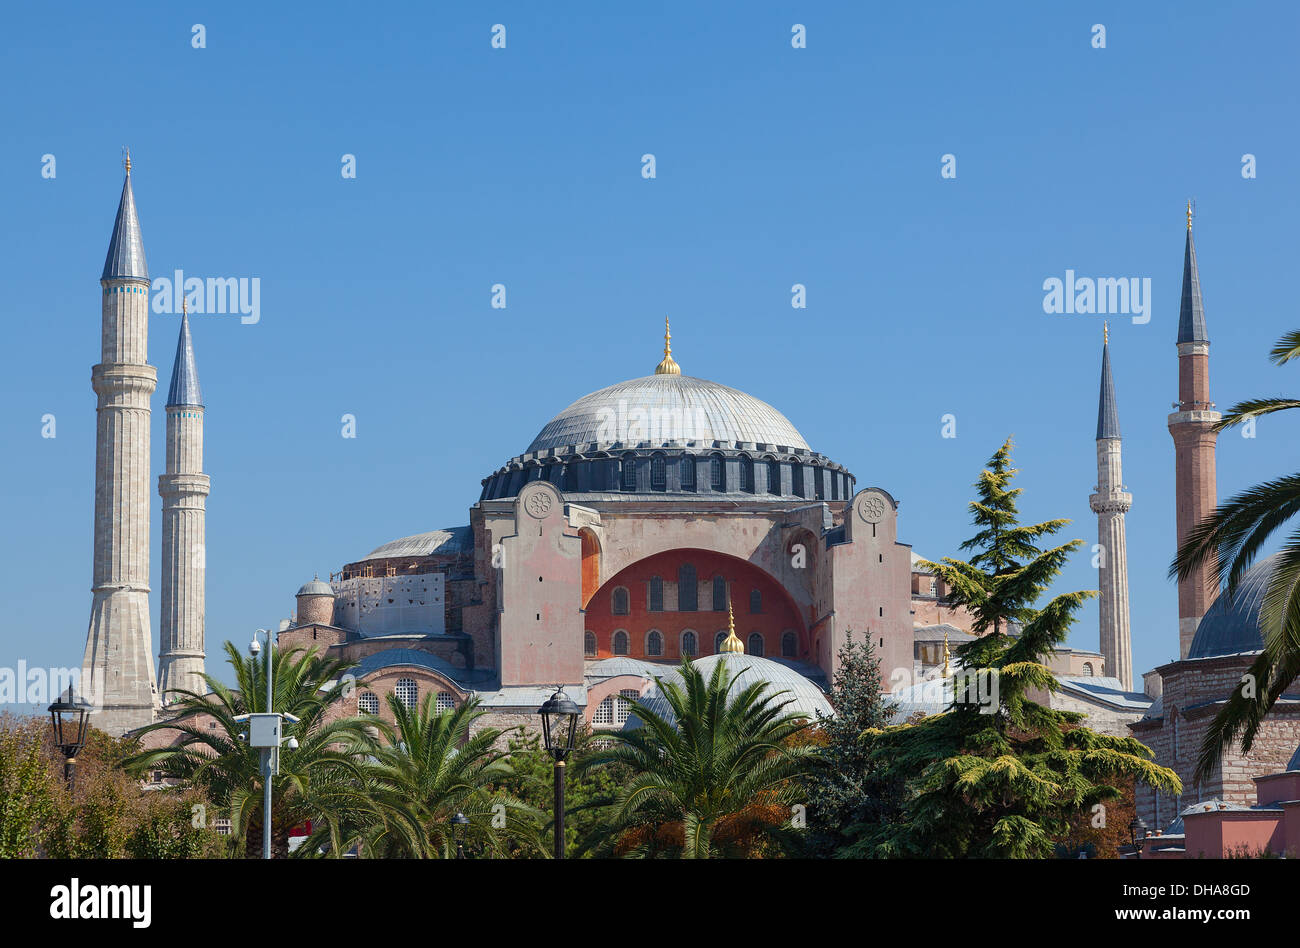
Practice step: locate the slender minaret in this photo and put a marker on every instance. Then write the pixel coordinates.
(1110, 503)
(1192, 427)
(183, 488)
(117, 671)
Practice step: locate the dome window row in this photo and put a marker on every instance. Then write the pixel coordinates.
(810, 477)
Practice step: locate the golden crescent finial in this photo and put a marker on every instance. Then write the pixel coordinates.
(1105, 332)
(185, 305)
(668, 366)
(1189, 215)
(732, 642)
(126, 162)
(946, 654)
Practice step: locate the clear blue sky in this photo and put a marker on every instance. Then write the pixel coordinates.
(522, 166)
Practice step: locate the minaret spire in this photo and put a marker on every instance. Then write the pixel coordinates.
(184, 490)
(117, 670)
(1192, 428)
(1110, 503)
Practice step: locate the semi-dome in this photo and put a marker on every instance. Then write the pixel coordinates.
(1231, 626)
(660, 409)
(804, 697)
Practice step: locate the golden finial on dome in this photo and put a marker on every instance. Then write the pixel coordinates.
(731, 643)
(668, 366)
(946, 655)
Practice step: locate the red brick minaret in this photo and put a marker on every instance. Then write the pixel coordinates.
(1191, 426)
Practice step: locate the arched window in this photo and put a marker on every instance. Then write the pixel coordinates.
(819, 483)
(755, 601)
(621, 602)
(623, 704)
(620, 642)
(719, 594)
(368, 702)
(658, 473)
(773, 476)
(1087, 668)
(656, 594)
(407, 692)
(629, 472)
(755, 644)
(796, 477)
(589, 644)
(690, 646)
(718, 640)
(688, 473)
(746, 475)
(688, 590)
(445, 701)
(654, 643)
(716, 480)
(789, 645)
(604, 712)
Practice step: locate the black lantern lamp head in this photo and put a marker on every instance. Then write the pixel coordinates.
(69, 718)
(559, 724)
(1138, 831)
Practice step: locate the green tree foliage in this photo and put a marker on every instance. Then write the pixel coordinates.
(1230, 539)
(586, 792)
(323, 780)
(1002, 778)
(716, 777)
(107, 815)
(851, 788)
(433, 766)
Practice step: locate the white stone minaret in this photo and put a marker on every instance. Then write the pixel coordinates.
(117, 671)
(184, 488)
(1110, 503)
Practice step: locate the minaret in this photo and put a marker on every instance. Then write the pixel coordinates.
(117, 671)
(1110, 503)
(184, 488)
(1192, 427)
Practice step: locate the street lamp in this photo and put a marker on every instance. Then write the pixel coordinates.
(68, 719)
(559, 727)
(1137, 830)
(266, 733)
(458, 824)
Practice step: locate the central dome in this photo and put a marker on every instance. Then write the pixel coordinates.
(663, 408)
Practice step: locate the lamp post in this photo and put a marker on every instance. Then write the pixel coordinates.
(559, 727)
(266, 733)
(1137, 831)
(458, 824)
(68, 720)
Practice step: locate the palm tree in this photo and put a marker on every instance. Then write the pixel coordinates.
(433, 763)
(324, 779)
(1232, 536)
(713, 778)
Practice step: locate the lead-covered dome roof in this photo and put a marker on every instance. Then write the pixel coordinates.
(805, 698)
(658, 409)
(1231, 626)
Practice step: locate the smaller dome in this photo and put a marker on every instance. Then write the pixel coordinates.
(1231, 627)
(316, 587)
(803, 696)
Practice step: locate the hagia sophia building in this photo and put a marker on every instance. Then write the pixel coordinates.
(660, 518)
